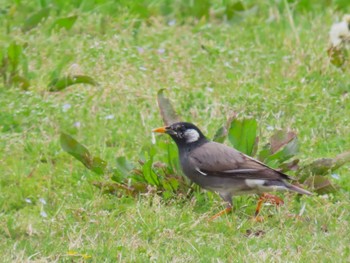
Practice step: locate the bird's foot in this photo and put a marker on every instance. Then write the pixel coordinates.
(258, 219)
(265, 197)
(223, 212)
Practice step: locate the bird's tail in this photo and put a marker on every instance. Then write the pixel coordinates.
(297, 189)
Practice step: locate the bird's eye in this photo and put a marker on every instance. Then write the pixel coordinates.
(179, 128)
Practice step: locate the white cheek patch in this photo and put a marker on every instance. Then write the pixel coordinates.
(191, 135)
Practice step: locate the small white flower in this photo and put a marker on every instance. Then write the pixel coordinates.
(142, 68)
(172, 23)
(28, 200)
(42, 200)
(43, 213)
(66, 107)
(77, 124)
(161, 51)
(140, 50)
(335, 176)
(270, 128)
(109, 117)
(340, 31)
(209, 89)
(228, 65)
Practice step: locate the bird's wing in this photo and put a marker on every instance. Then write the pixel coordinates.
(215, 159)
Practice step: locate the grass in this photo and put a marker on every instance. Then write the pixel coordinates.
(280, 75)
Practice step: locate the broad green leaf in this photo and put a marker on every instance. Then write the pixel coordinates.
(167, 194)
(195, 9)
(174, 183)
(256, 146)
(340, 160)
(148, 173)
(242, 135)
(4, 10)
(279, 139)
(200, 8)
(320, 166)
(139, 187)
(235, 11)
(233, 8)
(282, 146)
(21, 82)
(321, 184)
(166, 8)
(3, 64)
(35, 19)
(59, 67)
(169, 155)
(167, 186)
(166, 109)
(141, 10)
(124, 165)
(290, 166)
(66, 23)
(76, 149)
(173, 157)
(14, 53)
(122, 169)
(136, 25)
(59, 84)
(324, 166)
(98, 165)
(82, 154)
(287, 152)
(264, 153)
(220, 135)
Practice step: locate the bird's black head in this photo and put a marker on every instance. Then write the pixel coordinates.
(183, 133)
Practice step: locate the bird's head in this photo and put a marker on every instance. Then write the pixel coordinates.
(183, 133)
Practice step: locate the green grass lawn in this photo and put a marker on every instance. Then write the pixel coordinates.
(270, 64)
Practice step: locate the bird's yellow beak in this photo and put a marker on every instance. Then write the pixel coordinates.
(160, 130)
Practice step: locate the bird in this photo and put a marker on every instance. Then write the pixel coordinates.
(219, 168)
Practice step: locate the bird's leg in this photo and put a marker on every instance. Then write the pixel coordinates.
(265, 197)
(228, 198)
(227, 210)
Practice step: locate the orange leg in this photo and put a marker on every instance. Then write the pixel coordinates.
(265, 197)
(227, 210)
